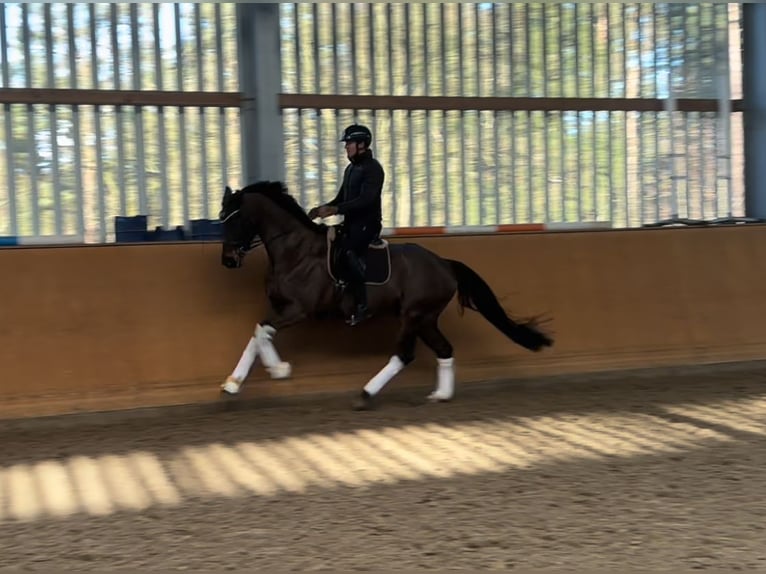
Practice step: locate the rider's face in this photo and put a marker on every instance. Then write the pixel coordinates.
(353, 148)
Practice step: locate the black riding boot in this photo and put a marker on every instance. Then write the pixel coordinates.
(357, 270)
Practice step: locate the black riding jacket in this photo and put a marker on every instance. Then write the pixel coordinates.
(359, 196)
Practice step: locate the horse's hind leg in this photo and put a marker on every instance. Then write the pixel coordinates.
(405, 354)
(445, 381)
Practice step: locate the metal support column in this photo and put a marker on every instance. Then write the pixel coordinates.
(260, 83)
(754, 95)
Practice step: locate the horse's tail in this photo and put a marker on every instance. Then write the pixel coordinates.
(474, 293)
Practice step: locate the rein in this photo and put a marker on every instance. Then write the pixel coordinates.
(272, 238)
(257, 239)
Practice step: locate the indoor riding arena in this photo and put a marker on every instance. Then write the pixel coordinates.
(600, 166)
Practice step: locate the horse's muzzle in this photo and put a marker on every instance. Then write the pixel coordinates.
(231, 261)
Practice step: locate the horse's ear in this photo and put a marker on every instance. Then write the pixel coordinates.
(227, 193)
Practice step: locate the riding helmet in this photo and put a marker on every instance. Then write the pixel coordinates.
(357, 133)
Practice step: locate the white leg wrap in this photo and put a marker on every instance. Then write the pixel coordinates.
(387, 373)
(445, 385)
(233, 382)
(269, 356)
(249, 355)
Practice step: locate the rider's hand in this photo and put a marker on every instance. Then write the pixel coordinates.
(313, 213)
(327, 211)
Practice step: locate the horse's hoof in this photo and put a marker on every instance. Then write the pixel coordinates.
(436, 397)
(363, 403)
(281, 370)
(231, 386)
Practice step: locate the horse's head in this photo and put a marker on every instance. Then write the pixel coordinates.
(262, 208)
(239, 231)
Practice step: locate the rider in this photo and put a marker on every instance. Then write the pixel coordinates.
(359, 201)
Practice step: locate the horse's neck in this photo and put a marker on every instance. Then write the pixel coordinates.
(288, 241)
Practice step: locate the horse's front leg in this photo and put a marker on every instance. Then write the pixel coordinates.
(261, 344)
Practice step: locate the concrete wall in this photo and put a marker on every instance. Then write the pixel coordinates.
(121, 326)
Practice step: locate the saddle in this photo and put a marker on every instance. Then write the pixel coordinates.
(378, 270)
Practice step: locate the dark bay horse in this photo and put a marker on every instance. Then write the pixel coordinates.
(416, 286)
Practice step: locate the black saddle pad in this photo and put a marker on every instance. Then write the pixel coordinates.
(378, 261)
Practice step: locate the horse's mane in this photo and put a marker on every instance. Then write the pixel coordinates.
(277, 192)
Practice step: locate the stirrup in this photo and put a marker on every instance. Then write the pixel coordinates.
(359, 314)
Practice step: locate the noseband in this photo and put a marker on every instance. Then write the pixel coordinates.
(244, 247)
(255, 242)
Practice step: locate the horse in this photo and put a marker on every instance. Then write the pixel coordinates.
(304, 281)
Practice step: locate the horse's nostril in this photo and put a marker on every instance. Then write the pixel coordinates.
(233, 263)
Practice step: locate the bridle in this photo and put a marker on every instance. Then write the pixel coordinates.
(245, 246)
(256, 241)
